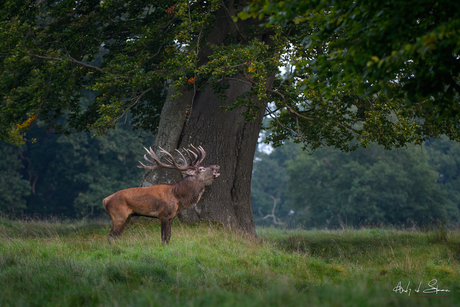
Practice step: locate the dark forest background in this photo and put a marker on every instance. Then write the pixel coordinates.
(410, 187)
(68, 176)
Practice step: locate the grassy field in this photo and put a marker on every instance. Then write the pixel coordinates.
(71, 264)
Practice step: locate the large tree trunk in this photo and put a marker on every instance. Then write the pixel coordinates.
(228, 141)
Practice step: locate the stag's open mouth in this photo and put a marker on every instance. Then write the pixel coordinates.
(216, 171)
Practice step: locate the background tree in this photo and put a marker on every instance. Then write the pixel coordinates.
(444, 158)
(13, 188)
(268, 186)
(369, 186)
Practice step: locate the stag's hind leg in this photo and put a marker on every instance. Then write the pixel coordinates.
(120, 215)
(118, 226)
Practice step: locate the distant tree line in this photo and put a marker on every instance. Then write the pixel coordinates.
(68, 175)
(414, 186)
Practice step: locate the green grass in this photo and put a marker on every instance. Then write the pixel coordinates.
(71, 264)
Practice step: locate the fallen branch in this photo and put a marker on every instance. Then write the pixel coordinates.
(276, 220)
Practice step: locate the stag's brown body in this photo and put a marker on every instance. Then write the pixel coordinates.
(162, 201)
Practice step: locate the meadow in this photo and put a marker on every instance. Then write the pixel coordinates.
(56, 263)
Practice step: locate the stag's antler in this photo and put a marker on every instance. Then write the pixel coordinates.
(199, 155)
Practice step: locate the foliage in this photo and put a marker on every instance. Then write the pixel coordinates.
(405, 49)
(52, 50)
(71, 264)
(346, 121)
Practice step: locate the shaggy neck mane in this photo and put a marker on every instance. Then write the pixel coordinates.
(188, 191)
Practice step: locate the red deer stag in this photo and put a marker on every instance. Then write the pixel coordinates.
(163, 201)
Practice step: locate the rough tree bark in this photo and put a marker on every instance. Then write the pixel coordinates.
(228, 140)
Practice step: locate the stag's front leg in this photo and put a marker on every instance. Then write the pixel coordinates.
(165, 231)
(164, 222)
(168, 231)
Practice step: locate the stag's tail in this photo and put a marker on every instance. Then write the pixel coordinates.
(105, 201)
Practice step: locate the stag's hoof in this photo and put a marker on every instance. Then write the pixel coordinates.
(110, 239)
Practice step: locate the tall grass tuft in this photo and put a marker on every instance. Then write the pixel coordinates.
(438, 233)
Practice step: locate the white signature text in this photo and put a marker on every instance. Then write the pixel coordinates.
(432, 288)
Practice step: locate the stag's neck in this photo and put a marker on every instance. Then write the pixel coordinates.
(188, 192)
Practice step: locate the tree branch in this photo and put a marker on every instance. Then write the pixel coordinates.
(132, 104)
(61, 59)
(49, 58)
(145, 61)
(272, 115)
(296, 113)
(348, 129)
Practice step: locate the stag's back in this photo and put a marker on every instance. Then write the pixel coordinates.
(148, 201)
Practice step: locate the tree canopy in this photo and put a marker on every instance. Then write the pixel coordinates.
(344, 72)
(51, 51)
(403, 49)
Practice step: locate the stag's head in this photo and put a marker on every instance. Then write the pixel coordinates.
(204, 173)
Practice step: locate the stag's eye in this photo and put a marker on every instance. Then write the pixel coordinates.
(201, 169)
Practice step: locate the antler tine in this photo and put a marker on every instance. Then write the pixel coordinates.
(193, 153)
(153, 155)
(183, 158)
(186, 150)
(171, 158)
(145, 166)
(148, 160)
(157, 162)
(203, 154)
(196, 154)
